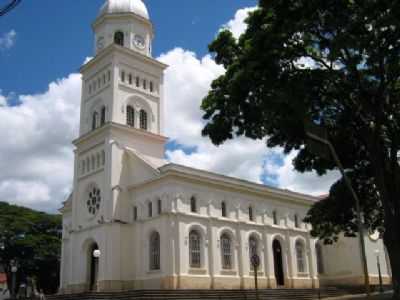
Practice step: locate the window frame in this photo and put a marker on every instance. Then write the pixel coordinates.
(226, 252)
(195, 244)
(154, 252)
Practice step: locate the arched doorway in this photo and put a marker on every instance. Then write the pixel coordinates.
(278, 263)
(93, 259)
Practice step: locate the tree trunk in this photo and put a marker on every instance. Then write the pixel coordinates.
(393, 249)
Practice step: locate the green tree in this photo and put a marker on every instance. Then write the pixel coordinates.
(33, 239)
(333, 62)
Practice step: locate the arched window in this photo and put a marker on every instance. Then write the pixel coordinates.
(226, 252)
(251, 216)
(320, 259)
(119, 38)
(194, 249)
(300, 256)
(130, 116)
(143, 119)
(275, 217)
(155, 251)
(223, 209)
(193, 204)
(103, 116)
(95, 116)
(253, 248)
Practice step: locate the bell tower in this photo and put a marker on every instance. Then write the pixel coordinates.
(121, 111)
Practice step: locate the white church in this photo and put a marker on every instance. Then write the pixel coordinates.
(135, 221)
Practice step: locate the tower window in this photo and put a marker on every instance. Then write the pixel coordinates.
(90, 88)
(130, 78)
(159, 206)
(135, 213)
(275, 217)
(104, 78)
(123, 76)
(99, 82)
(103, 116)
(87, 164)
(144, 84)
(223, 209)
(119, 38)
(151, 86)
(130, 116)
(193, 204)
(108, 75)
(94, 120)
(251, 215)
(143, 119)
(150, 209)
(296, 221)
(137, 81)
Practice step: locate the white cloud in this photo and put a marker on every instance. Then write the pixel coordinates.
(36, 150)
(307, 183)
(7, 40)
(237, 25)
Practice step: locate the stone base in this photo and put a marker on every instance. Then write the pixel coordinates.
(353, 281)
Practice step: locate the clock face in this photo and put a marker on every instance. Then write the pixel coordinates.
(139, 41)
(100, 43)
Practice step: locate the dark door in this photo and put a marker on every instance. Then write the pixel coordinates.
(94, 267)
(278, 263)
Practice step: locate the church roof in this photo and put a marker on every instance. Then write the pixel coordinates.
(125, 6)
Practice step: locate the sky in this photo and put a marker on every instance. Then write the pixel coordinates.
(41, 50)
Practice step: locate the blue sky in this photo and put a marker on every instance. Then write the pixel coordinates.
(54, 36)
(41, 50)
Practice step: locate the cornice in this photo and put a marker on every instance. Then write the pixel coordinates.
(115, 126)
(113, 48)
(228, 183)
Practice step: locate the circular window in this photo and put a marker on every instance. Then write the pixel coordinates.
(93, 201)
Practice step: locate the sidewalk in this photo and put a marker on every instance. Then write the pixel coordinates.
(375, 296)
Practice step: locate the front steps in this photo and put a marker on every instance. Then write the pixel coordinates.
(269, 294)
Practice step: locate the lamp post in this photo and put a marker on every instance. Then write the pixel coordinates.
(96, 256)
(378, 263)
(319, 135)
(255, 261)
(14, 270)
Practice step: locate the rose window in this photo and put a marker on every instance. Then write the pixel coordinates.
(94, 200)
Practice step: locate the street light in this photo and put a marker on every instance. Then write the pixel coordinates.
(96, 253)
(14, 270)
(377, 253)
(319, 136)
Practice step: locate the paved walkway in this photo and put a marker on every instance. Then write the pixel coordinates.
(376, 296)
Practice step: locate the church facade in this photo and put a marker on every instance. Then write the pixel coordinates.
(135, 221)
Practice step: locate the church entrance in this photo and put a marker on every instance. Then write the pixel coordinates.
(93, 266)
(278, 263)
